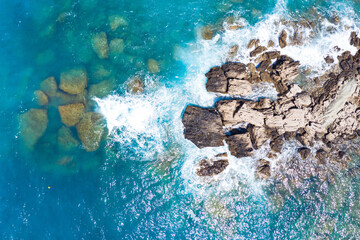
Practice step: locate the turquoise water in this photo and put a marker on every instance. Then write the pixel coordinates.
(140, 183)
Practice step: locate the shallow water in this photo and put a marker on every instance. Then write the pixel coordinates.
(141, 182)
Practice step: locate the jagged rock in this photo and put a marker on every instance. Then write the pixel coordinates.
(216, 80)
(207, 33)
(321, 156)
(304, 152)
(203, 127)
(233, 50)
(32, 124)
(240, 145)
(239, 87)
(153, 66)
(263, 103)
(277, 144)
(263, 65)
(253, 42)
(295, 119)
(136, 85)
(235, 70)
(117, 21)
(258, 136)
(73, 81)
(303, 100)
(49, 86)
(270, 44)
(72, 113)
(329, 60)
(257, 51)
(41, 98)
(90, 130)
(226, 109)
(282, 39)
(100, 45)
(263, 169)
(210, 168)
(66, 140)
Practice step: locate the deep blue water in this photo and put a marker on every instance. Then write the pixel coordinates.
(126, 190)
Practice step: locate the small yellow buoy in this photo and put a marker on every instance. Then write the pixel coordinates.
(48, 187)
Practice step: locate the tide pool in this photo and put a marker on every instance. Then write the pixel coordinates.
(141, 182)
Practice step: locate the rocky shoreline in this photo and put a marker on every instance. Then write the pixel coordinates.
(321, 118)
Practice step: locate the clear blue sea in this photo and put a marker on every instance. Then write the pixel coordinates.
(141, 182)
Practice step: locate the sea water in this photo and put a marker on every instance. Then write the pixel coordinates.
(141, 182)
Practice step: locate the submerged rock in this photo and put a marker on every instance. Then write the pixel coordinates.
(117, 21)
(91, 129)
(73, 81)
(116, 46)
(72, 113)
(100, 45)
(41, 98)
(153, 66)
(101, 89)
(136, 85)
(33, 124)
(66, 140)
(49, 86)
(207, 33)
(203, 127)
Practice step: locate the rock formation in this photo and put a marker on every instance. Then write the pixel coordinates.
(329, 113)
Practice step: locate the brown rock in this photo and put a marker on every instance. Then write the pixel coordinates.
(304, 152)
(239, 87)
(41, 98)
(203, 127)
(270, 44)
(90, 130)
(277, 144)
(72, 113)
(234, 49)
(257, 51)
(73, 81)
(136, 85)
(100, 45)
(211, 168)
(49, 86)
(258, 136)
(263, 65)
(240, 145)
(252, 43)
(251, 67)
(329, 60)
(207, 33)
(321, 156)
(263, 169)
(265, 77)
(32, 124)
(282, 39)
(235, 70)
(66, 140)
(216, 80)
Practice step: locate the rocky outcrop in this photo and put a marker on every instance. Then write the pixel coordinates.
(72, 113)
(211, 167)
(329, 113)
(263, 170)
(73, 81)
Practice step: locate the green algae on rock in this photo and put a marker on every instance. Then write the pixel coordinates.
(101, 89)
(73, 81)
(33, 125)
(100, 45)
(117, 21)
(72, 113)
(90, 130)
(41, 98)
(49, 86)
(66, 140)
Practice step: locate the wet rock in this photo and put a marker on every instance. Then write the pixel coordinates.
(257, 51)
(321, 156)
(41, 98)
(71, 114)
(329, 60)
(203, 127)
(49, 86)
(282, 39)
(90, 130)
(258, 136)
(207, 33)
(263, 103)
(116, 46)
(263, 65)
(66, 140)
(265, 77)
(277, 144)
(240, 145)
(270, 44)
(252, 43)
(210, 168)
(251, 67)
(233, 50)
(100, 45)
(32, 124)
(73, 81)
(235, 70)
(101, 89)
(136, 85)
(263, 169)
(304, 152)
(117, 21)
(216, 80)
(239, 87)
(153, 66)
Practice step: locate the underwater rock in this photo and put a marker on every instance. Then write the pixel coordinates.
(100, 45)
(101, 89)
(41, 98)
(263, 169)
(62, 98)
(66, 140)
(71, 114)
(282, 39)
(207, 33)
(117, 21)
(240, 145)
(73, 81)
(90, 130)
(203, 127)
(153, 66)
(116, 46)
(32, 124)
(49, 86)
(211, 167)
